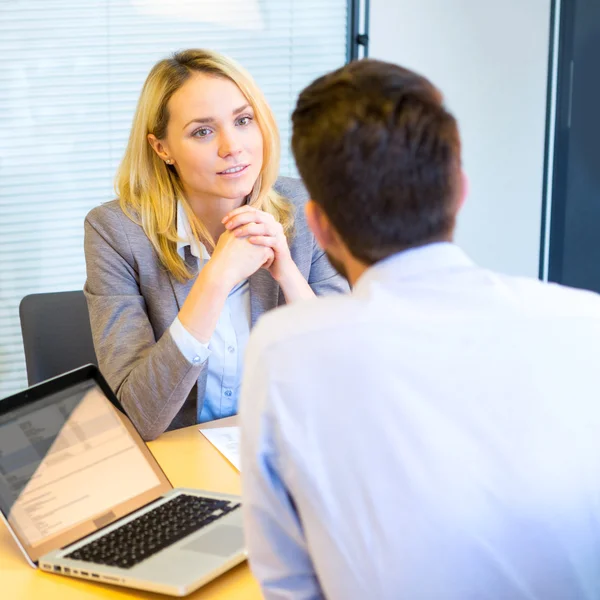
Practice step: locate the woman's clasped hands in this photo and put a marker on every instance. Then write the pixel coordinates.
(257, 239)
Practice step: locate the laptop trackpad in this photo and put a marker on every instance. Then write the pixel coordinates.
(224, 540)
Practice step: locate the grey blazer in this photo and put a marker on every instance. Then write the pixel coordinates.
(133, 300)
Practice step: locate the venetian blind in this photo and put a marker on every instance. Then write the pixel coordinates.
(70, 76)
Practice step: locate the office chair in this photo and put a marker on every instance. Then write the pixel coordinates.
(57, 336)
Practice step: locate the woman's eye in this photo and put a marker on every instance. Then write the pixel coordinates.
(202, 132)
(244, 121)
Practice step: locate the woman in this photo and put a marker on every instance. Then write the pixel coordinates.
(202, 240)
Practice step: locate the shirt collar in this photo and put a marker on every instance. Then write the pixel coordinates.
(186, 237)
(415, 262)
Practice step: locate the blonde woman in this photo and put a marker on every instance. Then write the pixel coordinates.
(202, 240)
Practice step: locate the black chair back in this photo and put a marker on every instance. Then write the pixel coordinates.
(56, 334)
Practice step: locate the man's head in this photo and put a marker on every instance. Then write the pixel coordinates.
(380, 156)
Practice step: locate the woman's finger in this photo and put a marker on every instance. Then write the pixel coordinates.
(249, 216)
(255, 217)
(255, 229)
(243, 219)
(267, 264)
(263, 240)
(239, 211)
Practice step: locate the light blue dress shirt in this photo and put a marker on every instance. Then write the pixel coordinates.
(432, 436)
(226, 347)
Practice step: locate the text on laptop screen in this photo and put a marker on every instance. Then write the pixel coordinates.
(65, 460)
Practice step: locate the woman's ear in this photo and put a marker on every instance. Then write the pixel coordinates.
(160, 148)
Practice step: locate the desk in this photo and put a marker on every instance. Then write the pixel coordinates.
(189, 460)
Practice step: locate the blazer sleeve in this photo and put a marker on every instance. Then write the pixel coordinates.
(151, 378)
(323, 278)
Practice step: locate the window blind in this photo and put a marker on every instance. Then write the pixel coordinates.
(70, 77)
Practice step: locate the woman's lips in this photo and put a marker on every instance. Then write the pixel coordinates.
(233, 172)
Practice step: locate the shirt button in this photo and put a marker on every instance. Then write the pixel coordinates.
(196, 359)
(228, 393)
(231, 349)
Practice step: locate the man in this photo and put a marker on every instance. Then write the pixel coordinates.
(433, 435)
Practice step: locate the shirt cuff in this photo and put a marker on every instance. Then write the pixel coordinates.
(193, 350)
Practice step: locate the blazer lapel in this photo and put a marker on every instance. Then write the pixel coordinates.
(182, 289)
(264, 294)
(264, 290)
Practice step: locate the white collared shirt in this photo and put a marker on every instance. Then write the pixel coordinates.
(226, 347)
(432, 436)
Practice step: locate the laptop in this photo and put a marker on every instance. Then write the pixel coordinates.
(83, 496)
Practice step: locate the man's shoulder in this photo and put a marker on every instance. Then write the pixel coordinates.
(545, 298)
(304, 322)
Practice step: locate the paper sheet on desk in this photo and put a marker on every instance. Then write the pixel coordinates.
(227, 441)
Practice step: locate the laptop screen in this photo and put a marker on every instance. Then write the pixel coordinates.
(71, 463)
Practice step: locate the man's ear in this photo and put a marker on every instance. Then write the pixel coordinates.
(160, 148)
(464, 190)
(320, 225)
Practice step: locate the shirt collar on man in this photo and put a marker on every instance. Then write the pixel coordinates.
(415, 262)
(186, 237)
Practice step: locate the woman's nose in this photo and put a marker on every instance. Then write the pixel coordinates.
(229, 144)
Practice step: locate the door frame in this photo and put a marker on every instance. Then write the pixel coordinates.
(558, 121)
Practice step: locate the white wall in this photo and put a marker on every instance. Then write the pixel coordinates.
(490, 60)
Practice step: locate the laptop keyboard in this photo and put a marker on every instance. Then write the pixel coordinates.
(153, 531)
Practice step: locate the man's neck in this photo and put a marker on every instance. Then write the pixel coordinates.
(355, 269)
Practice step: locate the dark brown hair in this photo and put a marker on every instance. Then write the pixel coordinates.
(380, 154)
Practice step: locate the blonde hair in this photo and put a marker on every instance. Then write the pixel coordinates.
(148, 189)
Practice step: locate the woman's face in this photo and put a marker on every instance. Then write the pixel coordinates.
(213, 139)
